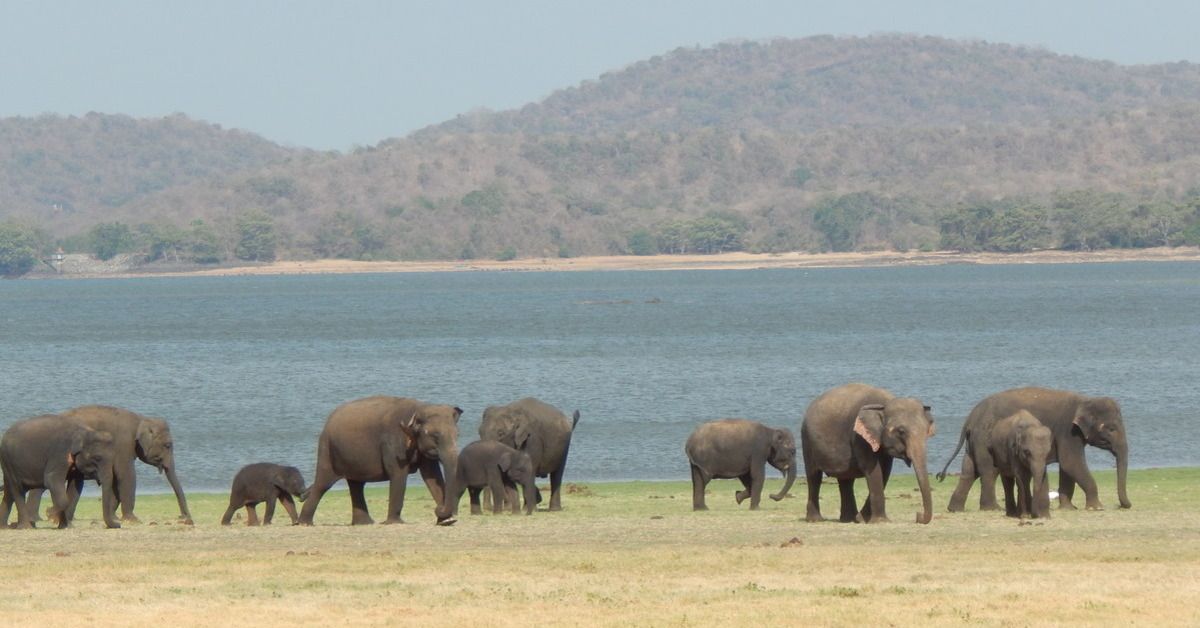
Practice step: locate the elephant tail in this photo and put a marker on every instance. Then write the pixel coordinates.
(962, 438)
(574, 420)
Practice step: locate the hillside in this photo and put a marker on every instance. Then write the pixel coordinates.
(816, 144)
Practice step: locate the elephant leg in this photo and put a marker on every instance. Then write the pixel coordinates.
(269, 510)
(556, 477)
(885, 471)
(486, 498)
(6, 504)
(60, 496)
(227, 518)
(34, 499)
(74, 491)
(874, 509)
(125, 479)
(986, 468)
(251, 514)
(1012, 507)
(24, 518)
(1066, 490)
(1074, 469)
(758, 475)
(290, 506)
(958, 500)
(321, 484)
(699, 483)
(747, 483)
(849, 509)
(475, 507)
(510, 494)
(358, 504)
(1023, 501)
(812, 506)
(497, 486)
(398, 482)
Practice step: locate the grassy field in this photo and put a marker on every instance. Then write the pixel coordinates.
(623, 554)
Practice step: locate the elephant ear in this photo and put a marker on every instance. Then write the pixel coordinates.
(521, 434)
(1084, 421)
(932, 427)
(457, 413)
(410, 427)
(506, 459)
(869, 424)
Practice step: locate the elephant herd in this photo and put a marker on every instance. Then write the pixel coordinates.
(858, 431)
(849, 432)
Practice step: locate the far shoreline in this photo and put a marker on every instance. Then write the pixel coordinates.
(720, 261)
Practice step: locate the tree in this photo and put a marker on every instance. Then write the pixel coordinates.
(256, 237)
(201, 243)
(642, 242)
(163, 241)
(841, 219)
(716, 232)
(346, 236)
(18, 249)
(109, 239)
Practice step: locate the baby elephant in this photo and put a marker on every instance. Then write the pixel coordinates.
(265, 482)
(494, 465)
(737, 448)
(1019, 446)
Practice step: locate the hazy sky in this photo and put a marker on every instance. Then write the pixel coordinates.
(336, 74)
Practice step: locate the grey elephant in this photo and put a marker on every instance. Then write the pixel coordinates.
(855, 431)
(379, 439)
(136, 437)
(494, 465)
(51, 452)
(1020, 445)
(738, 448)
(1075, 421)
(264, 482)
(538, 429)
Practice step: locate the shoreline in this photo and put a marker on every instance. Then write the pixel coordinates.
(721, 261)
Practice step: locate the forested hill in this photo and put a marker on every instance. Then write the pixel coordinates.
(815, 144)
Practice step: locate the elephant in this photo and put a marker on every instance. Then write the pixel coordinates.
(494, 465)
(1075, 420)
(264, 482)
(857, 430)
(739, 448)
(384, 438)
(55, 453)
(135, 436)
(538, 429)
(1019, 446)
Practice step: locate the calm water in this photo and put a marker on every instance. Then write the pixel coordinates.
(247, 369)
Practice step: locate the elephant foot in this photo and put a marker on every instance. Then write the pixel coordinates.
(361, 521)
(740, 496)
(879, 519)
(1064, 505)
(130, 518)
(185, 520)
(392, 521)
(1095, 506)
(447, 522)
(953, 507)
(814, 519)
(986, 507)
(555, 508)
(699, 508)
(1126, 505)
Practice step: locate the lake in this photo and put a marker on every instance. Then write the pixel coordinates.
(246, 369)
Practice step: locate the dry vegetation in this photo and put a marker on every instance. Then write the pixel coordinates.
(622, 554)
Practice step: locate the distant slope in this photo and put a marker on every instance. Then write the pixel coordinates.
(822, 83)
(817, 144)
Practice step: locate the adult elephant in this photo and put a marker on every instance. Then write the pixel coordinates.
(51, 452)
(134, 437)
(737, 448)
(384, 438)
(1075, 421)
(538, 429)
(855, 431)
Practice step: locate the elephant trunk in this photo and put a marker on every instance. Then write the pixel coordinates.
(1121, 451)
(787, 483)
(917, 455)
(1039, 490)
(169, 468)
(449, 458)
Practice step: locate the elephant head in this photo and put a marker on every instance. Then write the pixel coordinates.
(900, 428)
(433, 432)
(155, 447)
(1098, 420)
(289, 480)
(91, 456)
(519, 467)
(783, 457)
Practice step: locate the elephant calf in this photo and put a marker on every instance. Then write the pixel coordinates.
(493, 465)
(265, 482)
(1020, 446)
(737, 448)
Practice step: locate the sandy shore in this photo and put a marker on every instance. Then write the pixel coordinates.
(725, 261)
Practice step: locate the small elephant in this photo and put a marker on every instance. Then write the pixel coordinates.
(1020, 446)
(738, 448)
(51, 452)
(855, 431)
(265, 482)
(538, 429)
(493, 465)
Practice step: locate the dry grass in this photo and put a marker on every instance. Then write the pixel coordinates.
(622, 554)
